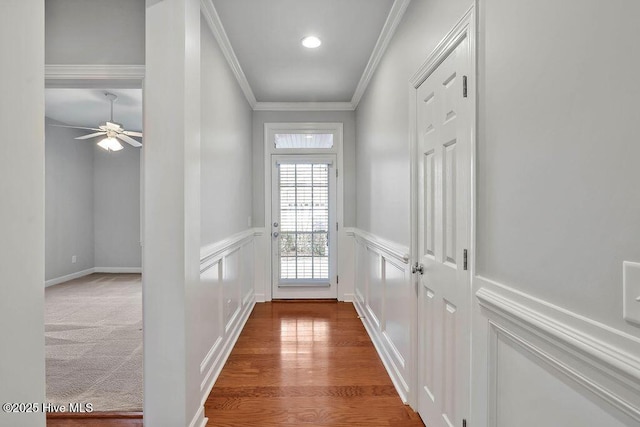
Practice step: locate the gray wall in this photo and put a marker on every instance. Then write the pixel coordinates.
(382, 117)
(94, 32)
(349, 155)
(116, 197)
(69, 218)
(225, 147)
(558, 195)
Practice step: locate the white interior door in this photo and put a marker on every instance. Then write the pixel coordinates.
(303, 227)
(444, 220)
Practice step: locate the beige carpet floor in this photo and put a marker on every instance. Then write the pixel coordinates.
(93, 341)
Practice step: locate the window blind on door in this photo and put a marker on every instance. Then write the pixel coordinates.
(304, 222)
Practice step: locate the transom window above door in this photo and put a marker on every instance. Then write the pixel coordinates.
(303, 140)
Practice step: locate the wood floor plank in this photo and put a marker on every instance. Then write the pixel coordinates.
(95, 419)
(305, 364)
(88, 422)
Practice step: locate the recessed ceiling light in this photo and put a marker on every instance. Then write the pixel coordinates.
(311, 42)
(309, 136)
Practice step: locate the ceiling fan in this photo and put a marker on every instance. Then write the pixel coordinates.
(112, 130)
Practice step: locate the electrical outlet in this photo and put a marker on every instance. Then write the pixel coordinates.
(631, 291)
(74, 259)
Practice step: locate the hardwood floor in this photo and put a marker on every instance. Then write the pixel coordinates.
(305, 364)
(296, 364)
(101, 419)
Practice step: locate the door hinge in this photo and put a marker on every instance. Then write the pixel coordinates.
(336, 173)
(464, 423)
(464, 86)
(336, 226)
(337, 279)
(465, 260)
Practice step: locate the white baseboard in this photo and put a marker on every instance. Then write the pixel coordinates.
(68, 277)
(117, 270)
(348, 298)
(376, 338)
(199, 420)
(89, 271)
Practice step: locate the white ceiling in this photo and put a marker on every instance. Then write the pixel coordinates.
(90, 107)
(265, 36)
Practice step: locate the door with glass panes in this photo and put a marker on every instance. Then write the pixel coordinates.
(303, 240)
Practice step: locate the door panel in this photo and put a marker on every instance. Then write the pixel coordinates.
(303, 243)
(444, 218)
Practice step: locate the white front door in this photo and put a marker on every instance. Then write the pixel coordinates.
(444, 129)
(303, 227)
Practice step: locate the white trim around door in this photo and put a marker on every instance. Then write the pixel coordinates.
(299, 155)
(465, 29)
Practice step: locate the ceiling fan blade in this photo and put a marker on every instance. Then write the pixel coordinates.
(73, 127)
(132, 133)
(91, 135)
(128, 140)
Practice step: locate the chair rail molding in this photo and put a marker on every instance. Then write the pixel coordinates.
(213, 252)
(392, 249)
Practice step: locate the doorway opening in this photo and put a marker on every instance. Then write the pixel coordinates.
(303, 191)
(93, 262)
(303, 243)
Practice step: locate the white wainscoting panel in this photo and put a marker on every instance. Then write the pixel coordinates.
(375, 298)
(544, 365)
(227, 274)
(385, 300)
(532, 394)
(346, 264)
(261, 263)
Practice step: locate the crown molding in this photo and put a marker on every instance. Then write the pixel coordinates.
(304, 106)
(215, 25)
(396, 13)
(93, 76)
(93, 72)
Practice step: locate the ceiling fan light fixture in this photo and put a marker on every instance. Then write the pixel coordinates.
(110, 144)
(311, 42)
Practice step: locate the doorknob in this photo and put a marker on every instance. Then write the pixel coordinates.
(417, 268)
(275, 224)
(276, 234)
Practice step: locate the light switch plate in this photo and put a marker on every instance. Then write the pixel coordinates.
(631, 291)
